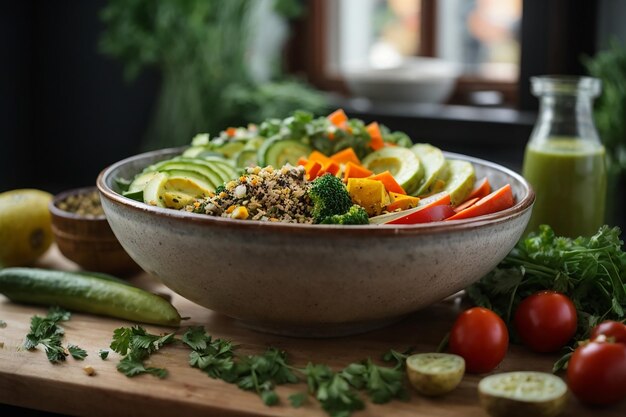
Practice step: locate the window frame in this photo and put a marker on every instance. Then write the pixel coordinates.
(553, 37)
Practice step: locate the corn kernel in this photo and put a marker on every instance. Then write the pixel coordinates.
(240, 213)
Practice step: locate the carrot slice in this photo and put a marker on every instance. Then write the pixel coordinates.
(376, 136)
(346, 155)
(338, 118)
(319, 157)
(389, 181)
(498, 200)
(231, 131)
(466, 204)
(331, 167)
(481, 190)
(353, 170)
(302, 161)
(312, 169)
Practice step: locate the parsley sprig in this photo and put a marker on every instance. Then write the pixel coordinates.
(47, 332)
(136, 345)
(336, 391)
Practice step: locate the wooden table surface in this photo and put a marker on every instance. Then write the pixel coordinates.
(27, 379)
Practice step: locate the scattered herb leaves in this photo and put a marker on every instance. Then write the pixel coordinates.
(136, 345)
(76, 352)
(103, 353)
(47, 332)
(337, 392)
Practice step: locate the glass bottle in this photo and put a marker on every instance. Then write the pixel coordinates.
(564, 159)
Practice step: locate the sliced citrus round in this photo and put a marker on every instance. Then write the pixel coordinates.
(435, 374)
(537, 394)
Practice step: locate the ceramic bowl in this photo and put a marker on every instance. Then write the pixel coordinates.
(312, 280)
(88, 241)
(416, 80)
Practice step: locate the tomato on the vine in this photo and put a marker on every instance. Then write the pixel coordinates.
(610, 329)
(596, 372)
(481, 338)
(546, 321)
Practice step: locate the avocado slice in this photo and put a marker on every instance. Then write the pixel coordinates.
(401, 162)
(433, 161)
(460, 182)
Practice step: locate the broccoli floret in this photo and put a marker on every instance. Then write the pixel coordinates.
(356, 215)
(329, 197)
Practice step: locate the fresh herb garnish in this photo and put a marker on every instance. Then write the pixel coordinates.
(337, 392)
(47, 332)
(136, 345)
(103, 353)
(76, 352)
(589, 270)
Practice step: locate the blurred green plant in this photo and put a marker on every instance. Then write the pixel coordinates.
(610, 117)
(610, 109)
(201, 48)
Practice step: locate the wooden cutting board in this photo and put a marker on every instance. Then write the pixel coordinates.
(27, 379)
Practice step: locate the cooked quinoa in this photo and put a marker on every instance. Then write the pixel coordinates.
(279, 195)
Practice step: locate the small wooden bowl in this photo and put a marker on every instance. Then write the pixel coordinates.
(88, 241)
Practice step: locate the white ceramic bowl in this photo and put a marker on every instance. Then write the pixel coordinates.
(418, 80)
(312, 280)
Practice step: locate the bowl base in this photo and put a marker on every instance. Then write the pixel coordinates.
(318, 330)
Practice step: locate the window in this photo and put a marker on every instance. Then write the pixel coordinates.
(481, 37)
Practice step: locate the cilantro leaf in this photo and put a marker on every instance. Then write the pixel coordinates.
(196, 338)
(298, 399)
(133, 366)
(76, 352)
(47, 332)
(136, 345)
(103, 354)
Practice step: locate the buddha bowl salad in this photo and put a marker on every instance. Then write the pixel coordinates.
(326, 170)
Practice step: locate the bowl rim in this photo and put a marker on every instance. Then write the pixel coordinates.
(56, 211)
(518, 209)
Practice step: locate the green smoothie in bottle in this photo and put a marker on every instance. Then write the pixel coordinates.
(564, 160)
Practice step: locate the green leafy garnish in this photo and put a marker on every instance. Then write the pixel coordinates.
(136, 345)
(337, 392)
(46, 331)
(103, 353)
(76, 352)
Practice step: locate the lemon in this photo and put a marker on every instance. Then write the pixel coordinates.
(25, 231)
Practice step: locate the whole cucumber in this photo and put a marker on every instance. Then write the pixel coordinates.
(88, 293)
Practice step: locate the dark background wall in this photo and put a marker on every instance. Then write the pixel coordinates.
(65, 110)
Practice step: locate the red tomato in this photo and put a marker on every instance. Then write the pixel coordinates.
(426, 215)
(596, 373)
(546, 321)
(481, 338)
(611, 329)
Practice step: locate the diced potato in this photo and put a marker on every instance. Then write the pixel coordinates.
(370, 194)
(401, 201)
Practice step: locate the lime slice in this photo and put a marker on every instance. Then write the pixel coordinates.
(461, 178)
(435, 374)
(536, 394)
(433, 161)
